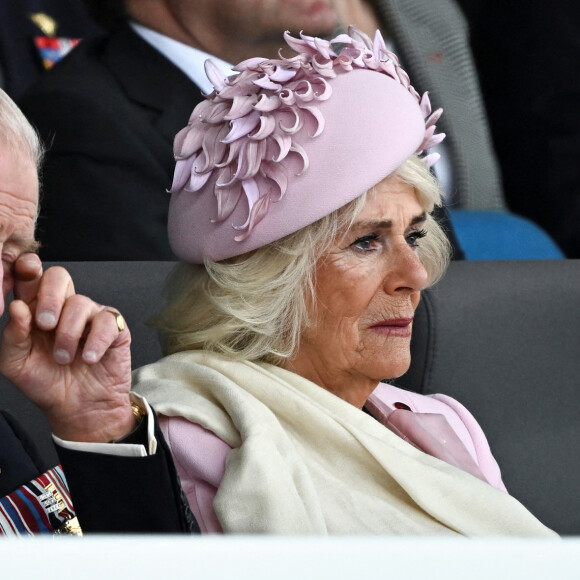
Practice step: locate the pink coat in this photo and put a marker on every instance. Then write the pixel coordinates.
(436, 424)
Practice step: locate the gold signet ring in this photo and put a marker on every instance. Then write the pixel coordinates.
(119, 320)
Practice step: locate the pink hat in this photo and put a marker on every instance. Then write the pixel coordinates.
(286, 142)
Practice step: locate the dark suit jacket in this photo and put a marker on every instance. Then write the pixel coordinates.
(110, 494)
(109, 112)
(20, 61)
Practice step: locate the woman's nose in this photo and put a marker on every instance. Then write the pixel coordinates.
(407, 272)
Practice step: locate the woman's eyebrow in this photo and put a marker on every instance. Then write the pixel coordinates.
(386, 224)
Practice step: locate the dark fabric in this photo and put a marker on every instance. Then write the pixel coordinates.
(20, 62)
(502, 338)
(108, 113)
(527, 55)
(127, 494)
(20, 460)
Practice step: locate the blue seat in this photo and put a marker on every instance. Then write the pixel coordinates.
(499, 235)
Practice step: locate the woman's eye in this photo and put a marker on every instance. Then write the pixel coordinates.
(414, 237)
(366, 243)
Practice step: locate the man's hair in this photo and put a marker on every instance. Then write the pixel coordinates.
(17, 133)
(109, 14)
(255, 306)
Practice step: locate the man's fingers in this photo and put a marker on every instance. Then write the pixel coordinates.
(75, 320)
(107, 328)
(15, 344)
(27, 274)
(54, 289)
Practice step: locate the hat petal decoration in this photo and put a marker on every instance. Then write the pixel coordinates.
(215, 74)
(425, 104)
(187, 142)
(284, 142)
(291, 129)
(182, 173)
(243, 134)
(281, 75)
(315, 112)
(257, 213)
(250, 63)
(266, 128)
(431, 159)
(434, 118)
(242, 126)
(266, 103)
(241, 106)
(297, 148)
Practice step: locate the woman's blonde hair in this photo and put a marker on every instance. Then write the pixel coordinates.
(255, 306)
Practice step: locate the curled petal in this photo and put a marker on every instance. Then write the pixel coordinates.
(214, 114)
(359, 37)
(291, 129)
(257, 213)
(287, 97)
(241, 106)
(252, 193)
(278, 174)
(431, 159)
(434, 140)
(299, 45)
(182, 173)
(241, 127)
(434, 118)
(324, 94)
(282, 75)
(297, 148)
(198, 179)
(250, 63)
(264, 82)
(324, 68)
(267, 127)
(379, 47)
(284, 142)
(425, 104)
(227, 196)
(187, 142)
(267, 103)
(304, 91)
(315, 112)
(213, 147)
(215, 74)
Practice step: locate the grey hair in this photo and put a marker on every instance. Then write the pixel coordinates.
(17, 133)
(255, 306)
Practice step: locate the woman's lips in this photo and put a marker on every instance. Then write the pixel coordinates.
(400, 327)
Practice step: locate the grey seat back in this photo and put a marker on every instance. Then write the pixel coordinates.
(503, 338)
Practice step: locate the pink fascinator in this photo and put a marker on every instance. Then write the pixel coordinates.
(285, 142)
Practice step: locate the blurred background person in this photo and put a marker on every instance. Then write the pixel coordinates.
(111, 109)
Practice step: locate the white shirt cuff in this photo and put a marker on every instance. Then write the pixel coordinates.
(119, 449)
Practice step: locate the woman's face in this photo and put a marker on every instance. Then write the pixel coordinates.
(368, 287)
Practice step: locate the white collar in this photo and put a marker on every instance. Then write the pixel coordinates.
(188, 59)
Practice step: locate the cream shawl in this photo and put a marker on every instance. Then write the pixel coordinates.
(305, 461)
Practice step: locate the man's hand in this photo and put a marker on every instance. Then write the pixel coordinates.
(67, 354)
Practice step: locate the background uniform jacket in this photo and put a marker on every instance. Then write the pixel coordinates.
(108, 113)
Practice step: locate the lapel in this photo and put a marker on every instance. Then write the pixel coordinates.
(151, 81)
